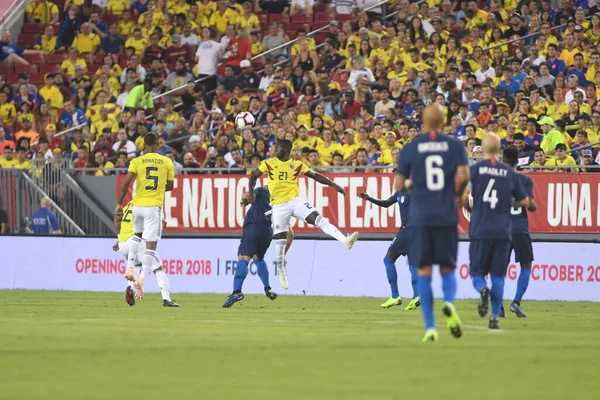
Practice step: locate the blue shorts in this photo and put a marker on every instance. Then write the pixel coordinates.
(255, 241)
(401, 243)
(521, 244)
(489, 256)
(433, 245)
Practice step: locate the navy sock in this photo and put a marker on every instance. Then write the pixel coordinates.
(479, 282)
(241, 272)
(263, 272)
(497, 293)
(392, 275)
(449, 286)
(522, 284)
(414, 277)
(426, 301)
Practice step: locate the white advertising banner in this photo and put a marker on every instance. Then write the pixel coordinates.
(561, 271)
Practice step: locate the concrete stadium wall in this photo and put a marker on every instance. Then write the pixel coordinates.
(562, 271)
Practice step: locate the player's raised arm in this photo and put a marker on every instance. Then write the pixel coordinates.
(124, 189)
(381, 203)
(252, 183)
(325, 181)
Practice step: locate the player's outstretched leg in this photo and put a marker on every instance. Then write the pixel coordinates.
(426, 292)
(522, 284)
(392, 276)
(480, 285)
(453, 321)
(280, 262)
(241, 271)
(416, 300)
(327, 227)
(263, 274)
(496, 294)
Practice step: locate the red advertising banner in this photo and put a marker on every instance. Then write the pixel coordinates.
(567, 203)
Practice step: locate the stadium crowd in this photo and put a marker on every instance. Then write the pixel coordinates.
(350, 96)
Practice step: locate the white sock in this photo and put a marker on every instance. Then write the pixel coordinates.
(280, 251)
(148, 262)
(130, 284)
(163, 283)
(134, 248)
(324, 224)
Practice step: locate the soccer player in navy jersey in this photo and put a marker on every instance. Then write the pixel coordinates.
(495, 189)
(437, 167)
(399, 247)
(256, 239)
(521, 239)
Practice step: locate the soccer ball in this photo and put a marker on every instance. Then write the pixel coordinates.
(244, 120)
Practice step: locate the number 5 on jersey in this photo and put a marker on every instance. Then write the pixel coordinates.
(153, 178)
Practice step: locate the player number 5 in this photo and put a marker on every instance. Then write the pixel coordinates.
(154, 179)
(434, 174)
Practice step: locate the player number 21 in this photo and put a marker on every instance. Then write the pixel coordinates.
(283, 176)
(434, 174)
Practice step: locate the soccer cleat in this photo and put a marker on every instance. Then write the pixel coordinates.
(350, 240)
(516, 308)
(234, 298)
(453, 321)
(414, 304)
(269, 293)
(484, 301)
(130, 296)
(392, 302)
(169, 303)
(282, 274)
(493, 324)
(431, 335)
(502, 313)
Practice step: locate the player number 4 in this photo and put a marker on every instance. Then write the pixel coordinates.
(491, 195)
(434, 174)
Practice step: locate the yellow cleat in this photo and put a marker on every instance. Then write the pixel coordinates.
(392, 302)
(431, 335)
(414, 304)
(453, 321)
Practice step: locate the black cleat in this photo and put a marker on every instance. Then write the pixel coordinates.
(516, 308)
(484, 302)
(502, 313)
(270, 294)
(169, 303)
(493, 323)
(130, 296)
(231, 300)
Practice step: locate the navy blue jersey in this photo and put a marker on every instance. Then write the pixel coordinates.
(495, 185)
(431, 161)
(403, 199)
(518, 215)
(260, 212)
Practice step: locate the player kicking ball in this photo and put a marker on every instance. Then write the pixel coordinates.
(283, 174)
(124, 226)
(154, 176)
(437, 164)
(399, 247)
(495, 189)
(256, 239)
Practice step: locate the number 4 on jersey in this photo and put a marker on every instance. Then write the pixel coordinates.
(491, 195)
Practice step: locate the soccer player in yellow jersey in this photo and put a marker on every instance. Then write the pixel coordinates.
(283, 174)
(154, 175)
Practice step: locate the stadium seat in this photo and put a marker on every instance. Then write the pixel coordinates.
(263, 18)
(33, 28)
(321, 7)
(321, 17)
(345, 17)
(317, 25)
(291, 34)
(55, 58)
(264, 28)
(301, 18)
(257, 65)
(278, 18)
(6, 69)
(49, 69)
(34, 58)
(320, 37)
(295, 26)
(36, 79)
(30, 69)
(26, 40)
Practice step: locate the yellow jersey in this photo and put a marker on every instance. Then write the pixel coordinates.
(326, 153)
(8, 164)
(86, 43)
(26, 164)
(69, 67)
(126, 223)
(311, 142)
(283, 178)
(152, 171)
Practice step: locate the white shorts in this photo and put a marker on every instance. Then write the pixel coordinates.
(148, 222)
(126, 245)
(282, 213)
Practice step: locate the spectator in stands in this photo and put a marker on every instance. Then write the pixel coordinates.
(180, 132)
(104, 166)
(237, 50)
(69, 26)
(222, 17)
(188, 37)
(5, 142)
(41, 12)
(27, 131)
(48, 42)
(588, 164)
(97, 26)
(272, 6)
(153, 51)
(43, 117)
(278, 99)
(117, 7)
(21, 161)
(100, 124)
(275, 38)
(8, 160)
(123, 144)
(11, 54)
(71, 116)
(72, 60)
(113, 43)
(248, 79)
(103, 146)
(564, 159)
(141, 96)
(86, 9)
(86, 42)
(196, 150)
(178, 78)
(207, 56)
(79, 141)
(178, 50)
(51, 94)
(44, 221)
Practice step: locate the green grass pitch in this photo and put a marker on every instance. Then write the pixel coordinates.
(71, 345)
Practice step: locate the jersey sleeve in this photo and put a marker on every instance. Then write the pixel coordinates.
(53, 222)
(132, 166)
(404, 162)
(170, 171)
(263, 167)
(303, 168)
(519, 189)
(528, 185)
